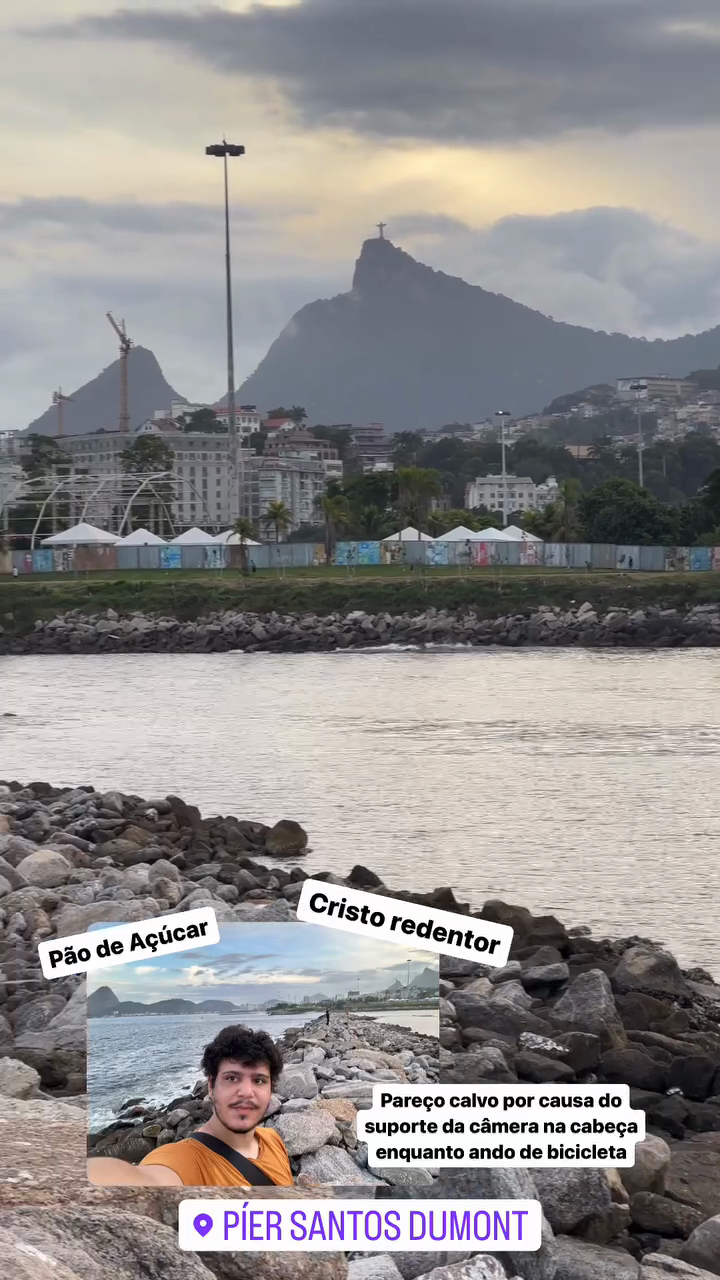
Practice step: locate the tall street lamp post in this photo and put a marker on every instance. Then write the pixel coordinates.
(237, 478)
(502, 414)
(639, 388)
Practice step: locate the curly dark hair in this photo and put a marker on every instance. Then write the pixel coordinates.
(242, 1044)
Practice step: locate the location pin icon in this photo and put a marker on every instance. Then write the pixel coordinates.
(203, 1223)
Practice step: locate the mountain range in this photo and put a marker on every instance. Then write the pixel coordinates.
(103, 1003)
(412, 348)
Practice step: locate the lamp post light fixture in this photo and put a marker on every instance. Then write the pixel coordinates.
(237, 479)
(502, 414)
(639, 388)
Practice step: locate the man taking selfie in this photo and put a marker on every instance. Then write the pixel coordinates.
(230, 1150)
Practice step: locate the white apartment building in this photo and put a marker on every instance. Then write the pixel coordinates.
(298, 482)
(200, 466)
(201, 469)
(519, 493)
(656, 388)
(11, 472)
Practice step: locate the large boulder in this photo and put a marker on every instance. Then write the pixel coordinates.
(73, 919)
(662, 1216)
(578, 1260)
(703, 1247)
(305, 1131)
(588, 1005)
(297, 1081)
(100, 1244)
(570, 1196)
(332, 1166)
(482, 1266)
(17, 1080)
(652, 1161)
(286, 839)
(649, 970)
(661, 1266)
(694, 1173)
(46, 868)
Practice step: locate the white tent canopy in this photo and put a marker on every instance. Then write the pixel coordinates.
(409, 535)
(521, 535)
(460, 534)
(491, 534)
(142, 538)
(81, 535)
(233, 539)
(192, 538)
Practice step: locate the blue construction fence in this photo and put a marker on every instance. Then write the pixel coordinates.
(299, 555)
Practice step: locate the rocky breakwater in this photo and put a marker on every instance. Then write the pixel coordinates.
(652, 627)
(74, 857)
(329, 1074)
(568, 1009)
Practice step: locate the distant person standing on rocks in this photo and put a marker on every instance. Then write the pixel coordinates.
(327, 1017)
(231, 1150)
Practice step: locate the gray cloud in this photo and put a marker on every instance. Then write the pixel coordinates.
(488, 71)
(607, 268)
(75, 215)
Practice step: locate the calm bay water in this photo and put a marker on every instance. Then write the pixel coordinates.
(576, 782)
(158, 1058)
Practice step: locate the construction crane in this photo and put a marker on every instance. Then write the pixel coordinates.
(59, 399)
(125, 345)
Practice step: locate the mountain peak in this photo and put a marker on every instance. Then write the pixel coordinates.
(382, 264)
(97, 404)
(413, 347)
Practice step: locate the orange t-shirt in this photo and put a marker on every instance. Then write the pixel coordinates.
(199, 1167)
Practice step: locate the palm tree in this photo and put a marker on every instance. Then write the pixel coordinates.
(416, 487)
(336, 516)
(298, 414)
(372, 523)
(566, 526)
(245, 529)
(278, 515)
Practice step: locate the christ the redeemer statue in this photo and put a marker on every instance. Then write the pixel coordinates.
(381, 227)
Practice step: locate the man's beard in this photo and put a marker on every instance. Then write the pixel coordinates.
(230, 1118)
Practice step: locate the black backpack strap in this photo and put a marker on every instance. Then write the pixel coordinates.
(250, 1171)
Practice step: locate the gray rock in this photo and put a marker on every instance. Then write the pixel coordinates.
(577, 1260)
(650, 970)
(379, 1267)
(660, 1266)
(73, 919)
(357, 1091)
(297, 1081)
(652, 1161)
(46, 868)
(703, 1247)
(569, 1196)
(479, 1267)
(306, 1131)
(412, 1265)
(17, 1080)
(280, 911)
(588, 1005)
(332, 1166)
(87, 1243)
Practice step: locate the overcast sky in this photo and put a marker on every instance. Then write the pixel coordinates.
(254, 963)
(563, 152)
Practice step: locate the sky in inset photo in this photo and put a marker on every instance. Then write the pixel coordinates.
(254, 964)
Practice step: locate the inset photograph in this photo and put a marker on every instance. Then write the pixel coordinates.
(245, 1063)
